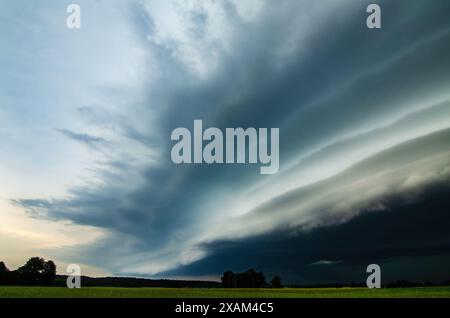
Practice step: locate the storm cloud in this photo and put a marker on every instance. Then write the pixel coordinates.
(364, 119)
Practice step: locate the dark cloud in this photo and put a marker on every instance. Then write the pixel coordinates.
(405, 233)
(362, 115)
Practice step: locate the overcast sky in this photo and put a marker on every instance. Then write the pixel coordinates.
(86, 115)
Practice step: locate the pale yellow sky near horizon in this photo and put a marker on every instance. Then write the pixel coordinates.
(22, 237)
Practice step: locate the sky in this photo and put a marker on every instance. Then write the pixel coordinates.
(86, 115)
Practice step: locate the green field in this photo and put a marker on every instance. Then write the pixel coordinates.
(106, 292)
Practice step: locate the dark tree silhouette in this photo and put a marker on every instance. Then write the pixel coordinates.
(276, 282)
(31, 271)
(48, 274)
(3, 268)
(36, 271)
(248, 279)
(4, 274)
(228, 279)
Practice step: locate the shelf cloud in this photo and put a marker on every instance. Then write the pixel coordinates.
(363, 118)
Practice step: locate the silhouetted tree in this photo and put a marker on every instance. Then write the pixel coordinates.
(3, 268)
(48, 274)
(248, 279)
(228, 279)
(36, 271)
(4, 274)
(276, 282)
(31, 271)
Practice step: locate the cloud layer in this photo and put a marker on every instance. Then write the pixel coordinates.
(364, 117)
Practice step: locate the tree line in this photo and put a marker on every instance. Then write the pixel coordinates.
(248, 279)
(35, 272)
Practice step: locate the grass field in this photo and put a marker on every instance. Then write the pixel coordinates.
(107, 292)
